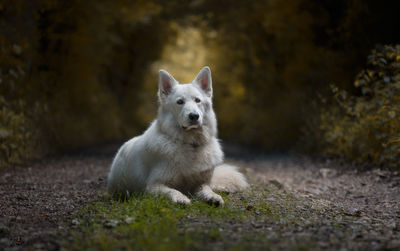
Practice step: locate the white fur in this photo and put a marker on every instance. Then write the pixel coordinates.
(176, 155)
(226, 178)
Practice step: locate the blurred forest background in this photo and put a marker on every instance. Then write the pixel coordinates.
(320, 77)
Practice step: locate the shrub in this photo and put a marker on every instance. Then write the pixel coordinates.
(365, 126)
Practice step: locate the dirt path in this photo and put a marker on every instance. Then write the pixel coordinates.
(36, 200)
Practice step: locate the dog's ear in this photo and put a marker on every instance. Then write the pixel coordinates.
(165, 83)
(203, 80)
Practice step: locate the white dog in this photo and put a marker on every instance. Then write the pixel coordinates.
(179, 153)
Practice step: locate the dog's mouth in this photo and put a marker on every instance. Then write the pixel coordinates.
(190, 127)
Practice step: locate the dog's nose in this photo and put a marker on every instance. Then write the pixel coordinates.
(193, 116)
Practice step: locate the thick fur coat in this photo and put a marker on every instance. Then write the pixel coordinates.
(179, 154)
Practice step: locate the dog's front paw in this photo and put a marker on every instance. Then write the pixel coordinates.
(180, 199)
(215, 199)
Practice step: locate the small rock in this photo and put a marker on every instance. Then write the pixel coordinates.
(129, 220)
(380, 173)
(238, 229)
(271, 199)
(39, 246)
(392, 225)
(356, 236)
(353, 212)
(111, 223)
(327, 173)
(276, 183)
(75, 222)
(323, 244)
(256, 225)
(249, 208)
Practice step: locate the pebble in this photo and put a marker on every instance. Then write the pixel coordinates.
(256, 225)
(276, 183)
(327, 173)
(75, 222)
(111, 223)
(129, 220)
(353, 212)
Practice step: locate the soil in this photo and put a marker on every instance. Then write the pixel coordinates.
(37, 200)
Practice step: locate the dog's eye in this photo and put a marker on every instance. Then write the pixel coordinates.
(180, 102)
(197, 100)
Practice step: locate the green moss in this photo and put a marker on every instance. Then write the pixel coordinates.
(146, 222)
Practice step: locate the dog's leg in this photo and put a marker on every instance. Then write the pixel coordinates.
(205, 193)
(173, 194)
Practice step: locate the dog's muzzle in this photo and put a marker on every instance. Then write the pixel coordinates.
(193, 119)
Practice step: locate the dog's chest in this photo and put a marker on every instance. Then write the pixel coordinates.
(190, 182)
(194, 157)
(191, 167)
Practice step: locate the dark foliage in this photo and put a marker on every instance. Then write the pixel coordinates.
(76, 73)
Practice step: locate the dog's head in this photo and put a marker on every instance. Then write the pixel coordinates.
(187, 103)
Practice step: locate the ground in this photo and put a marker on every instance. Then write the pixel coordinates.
(294, 203)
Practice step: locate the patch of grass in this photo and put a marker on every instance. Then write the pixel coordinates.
(148, 222)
